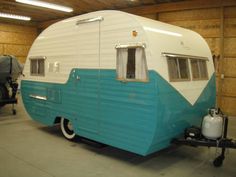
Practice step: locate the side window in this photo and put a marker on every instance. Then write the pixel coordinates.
(178, 69)
(37, 66)
(199, 69)
(130, 74)
(131, 64)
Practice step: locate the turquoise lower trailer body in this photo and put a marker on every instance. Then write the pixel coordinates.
(134, 116)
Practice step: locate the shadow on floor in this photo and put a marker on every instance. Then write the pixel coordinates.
(157, 161)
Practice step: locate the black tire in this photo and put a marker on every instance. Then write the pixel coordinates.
(67, 129)
(218, 161)
(3, 93)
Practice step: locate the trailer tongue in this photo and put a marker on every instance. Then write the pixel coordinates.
(222, 142)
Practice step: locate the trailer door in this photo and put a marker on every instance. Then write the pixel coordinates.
(88, 48)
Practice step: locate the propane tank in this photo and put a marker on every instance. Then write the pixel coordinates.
(212, 125)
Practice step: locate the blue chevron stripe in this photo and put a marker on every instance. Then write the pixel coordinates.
(134, 116)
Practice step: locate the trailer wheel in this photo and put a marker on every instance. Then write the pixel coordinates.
(3, 93)
(218, 161)
(67, 129)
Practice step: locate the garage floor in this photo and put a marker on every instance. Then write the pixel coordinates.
(29, 149)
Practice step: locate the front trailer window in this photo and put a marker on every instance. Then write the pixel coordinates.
(199, 69)
(178, 69)
(131, 64)
(37, 66)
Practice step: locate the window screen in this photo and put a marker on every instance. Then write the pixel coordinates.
(131, 64)
(178, 69)
(37, 66)
(199, 69)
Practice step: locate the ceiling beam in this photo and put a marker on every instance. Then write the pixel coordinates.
(182, 5)
(165, 7)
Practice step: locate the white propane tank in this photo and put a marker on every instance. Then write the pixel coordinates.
(212, 125)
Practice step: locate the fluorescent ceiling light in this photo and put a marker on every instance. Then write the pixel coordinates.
(162, 31)
(12, 16)
(46, 5)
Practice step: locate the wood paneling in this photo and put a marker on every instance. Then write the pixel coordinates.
(230, 27)
(228, 105)
(204, 17)
(16, 40)
(207, 28)
(21, 59)
(230, 67)
(214, 44)
(230, 47)
(151, 16)
(141, 7)
(217, 84)
(1, 49)
(229, 87)
(217, 24)
(16, 50)
(17, 28)
(197, 14)
(40, 14)
(230, 12)
(179, 6)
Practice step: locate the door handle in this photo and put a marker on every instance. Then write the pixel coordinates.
(38, 97)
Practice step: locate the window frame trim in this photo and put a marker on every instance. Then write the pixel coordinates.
(200, 74)
(37, 58)
(165, 54)
(178, 70)
(188, 58)
(128, 46)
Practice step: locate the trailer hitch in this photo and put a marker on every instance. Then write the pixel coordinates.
(222, 143)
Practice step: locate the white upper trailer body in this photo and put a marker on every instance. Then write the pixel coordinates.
(131, 68)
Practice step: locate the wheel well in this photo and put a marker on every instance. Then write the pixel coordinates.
(57, 120)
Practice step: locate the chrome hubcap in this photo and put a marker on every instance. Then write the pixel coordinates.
(69, 125)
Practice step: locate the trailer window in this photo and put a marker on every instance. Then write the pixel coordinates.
(178, 69)
(37, 67)
(131, 64)
(199, 69)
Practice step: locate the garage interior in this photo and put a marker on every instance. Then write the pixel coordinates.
(28, 148)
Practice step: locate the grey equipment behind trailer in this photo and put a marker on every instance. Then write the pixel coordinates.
(10, 69)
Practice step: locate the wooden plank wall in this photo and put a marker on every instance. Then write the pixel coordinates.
(16, 40)
(214, 20)
(208, 23)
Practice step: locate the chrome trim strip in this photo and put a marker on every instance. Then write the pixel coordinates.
(38, 97)
(89, 20)
(37, 57)
(122, 46)
(183, 56)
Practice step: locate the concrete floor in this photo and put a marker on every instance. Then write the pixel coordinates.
(29, 149)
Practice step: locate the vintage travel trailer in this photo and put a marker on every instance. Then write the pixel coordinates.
(119, 79)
